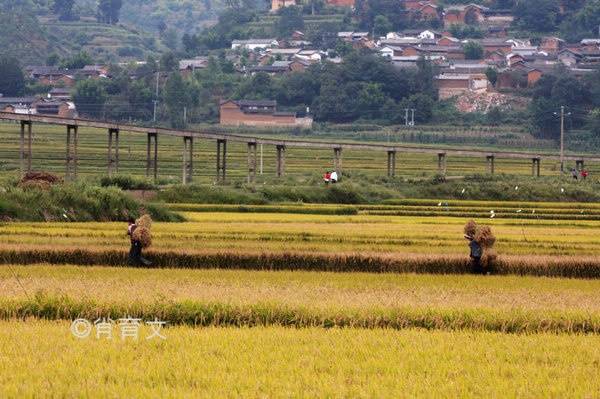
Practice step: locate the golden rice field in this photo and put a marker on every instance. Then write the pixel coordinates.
(49, 147)
(302, 363)
(334, 234)
(41, 359)
(241, 325)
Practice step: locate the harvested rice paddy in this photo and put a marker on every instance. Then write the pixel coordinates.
(270, 302)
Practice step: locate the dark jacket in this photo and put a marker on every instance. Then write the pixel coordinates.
(475, 249)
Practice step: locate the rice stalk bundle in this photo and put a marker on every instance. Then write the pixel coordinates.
(485, 237)
(470, 228)
(144, 221)
(143, 235)
(41, 185)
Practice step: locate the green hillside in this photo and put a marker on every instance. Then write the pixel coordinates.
(30, 30)
(101, 41)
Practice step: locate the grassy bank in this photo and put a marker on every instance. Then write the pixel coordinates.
(73, 202)
(359, 188)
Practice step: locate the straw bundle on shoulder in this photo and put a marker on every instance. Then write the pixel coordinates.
(144, 221)
(470, 228)
(143, 235)
(485, 237)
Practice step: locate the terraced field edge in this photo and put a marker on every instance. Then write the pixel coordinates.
(547, 266)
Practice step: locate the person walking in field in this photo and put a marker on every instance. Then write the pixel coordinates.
(327, 177)
(475, 253)
(135, 252)
(574, 173)
(334, 177)
(584, 174)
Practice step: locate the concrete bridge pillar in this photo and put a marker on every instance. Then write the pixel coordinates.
(71, 158)
(152, 156)
(337, 160)
(25, 147)
(251, 162)
(391, 163)
(280, 160)
(579, 165)
(221, 160)
(535, 167)
(442, 163)
(188, 160)
(491, 164)
(113, 151)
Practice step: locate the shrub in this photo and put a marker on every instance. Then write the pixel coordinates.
(126, 182)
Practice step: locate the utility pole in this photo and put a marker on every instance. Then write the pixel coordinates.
(156, 94)
(184, 116)
(562, 136)
(412, 122)
(405, 116)
(261, 163)
(562, 139)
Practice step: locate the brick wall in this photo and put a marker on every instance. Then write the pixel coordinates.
(231, 115)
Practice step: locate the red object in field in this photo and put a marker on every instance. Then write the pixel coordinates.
(327, 176)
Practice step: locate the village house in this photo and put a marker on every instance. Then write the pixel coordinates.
(464, 14)
(341, 3)
(268, 69)
(62, 109)
(551, 44)
(428, 12)
(309, 56)
(450, 85)
(416, 33)
(495, 57)
(187, 67)
(414, 5)
(38, 106)
(277, 4)
(590, 44)
(50, 76)
(524, 50)
(465, 67)
(448, 41)
(498, 17)
(284, 54)
(391, 51)
(259, 113)
(491, 45)
(569, 57)
(60, 94)
(17, 105)
(254, 44)
(351, 37)
(94, 71)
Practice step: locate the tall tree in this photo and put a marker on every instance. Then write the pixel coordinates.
(12, 81)
(178, 95)
(537, 15)
(64, 9)
(473, 51)
(290, 19)
(109, 11)
(90, 97)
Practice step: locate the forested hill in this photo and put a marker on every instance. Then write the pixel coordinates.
(108, 30)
